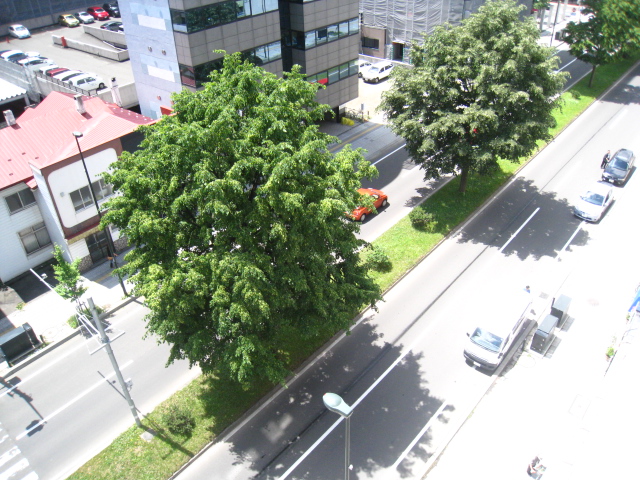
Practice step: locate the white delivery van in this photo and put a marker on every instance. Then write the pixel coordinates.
(495, 332)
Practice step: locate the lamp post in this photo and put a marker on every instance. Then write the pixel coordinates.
(110, 247)
(336, 404)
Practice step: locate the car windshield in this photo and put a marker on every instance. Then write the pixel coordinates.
(619, 164)
(486, 340)
(374, 70)
(594, 198)
(19, 29)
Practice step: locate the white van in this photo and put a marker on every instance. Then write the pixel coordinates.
(495, 333)
(377, 72)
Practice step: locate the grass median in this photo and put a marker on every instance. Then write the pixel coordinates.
(196, 415)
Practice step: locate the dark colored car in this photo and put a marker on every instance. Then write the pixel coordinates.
(113, 25)
(619, 167)
(112, 9)
(98, 13)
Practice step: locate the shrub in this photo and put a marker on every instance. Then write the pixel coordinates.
(179, 421)
(73, 322)
(377, 259)
(422, 220)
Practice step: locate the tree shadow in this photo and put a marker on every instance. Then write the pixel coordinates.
(552, 226)
(285, 424)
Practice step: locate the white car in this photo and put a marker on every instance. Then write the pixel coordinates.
(84, 17)
(87, 81)
(377, 72)
(362, 67)
(19, 31)
(66, 76)
(10, 53)
(37, 63)
(593, 203)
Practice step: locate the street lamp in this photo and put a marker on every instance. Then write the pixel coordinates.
(110, 247)
(336, 404)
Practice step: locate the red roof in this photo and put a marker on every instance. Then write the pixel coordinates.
(43, 135)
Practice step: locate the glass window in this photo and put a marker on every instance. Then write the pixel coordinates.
(332, 32)
(321, 35)
(297, 40)
(310, 39)
(323, 77)
(353, 67)
(20, 200)
(244, 8)
(354, 26)
(274, 51)
(343, 29)
(270, 5)
(312, 78)
(82, 199)
(344, 71)
(257, 7)
(179, 20)
(334, 75)
(372, 43)
(34, 238)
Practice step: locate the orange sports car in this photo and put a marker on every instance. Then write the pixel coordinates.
(379, 201)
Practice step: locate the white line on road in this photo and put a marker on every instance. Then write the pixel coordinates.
(560, 69)
(419, 436)
(71, 402)
(518, 231)
(389, 154)
(357, 402)
(14, 469)
(566, 245)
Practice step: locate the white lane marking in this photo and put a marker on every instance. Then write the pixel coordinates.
(53, 362)
(99, 383)
(8, 455)
(357, 402)
(389, 154)
(419, 436)
(518, 231)
(10, 472)
(560, 69)
(31, 476)
(566, 245)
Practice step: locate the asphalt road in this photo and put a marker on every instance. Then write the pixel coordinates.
(62, 410)
(402, 367)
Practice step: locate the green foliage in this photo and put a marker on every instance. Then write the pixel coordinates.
(73, 321)
(179, 421)
(422, 220)
(377, 258)
(20, 306)
(612, 30)
(477, 92)
(236, 208)
(68, 276)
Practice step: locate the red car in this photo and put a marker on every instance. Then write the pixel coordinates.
(98, 13)
(379, 201)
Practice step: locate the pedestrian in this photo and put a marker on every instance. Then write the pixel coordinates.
(527, 289)
(535, 468)
(605, 159)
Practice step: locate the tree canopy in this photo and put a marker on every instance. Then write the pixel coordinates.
(68, 276)
(612, 30)
(476, 92)
(237, 212)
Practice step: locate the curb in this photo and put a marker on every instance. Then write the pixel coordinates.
(52, 346)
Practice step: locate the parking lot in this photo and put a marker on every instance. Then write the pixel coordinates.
(42, 43)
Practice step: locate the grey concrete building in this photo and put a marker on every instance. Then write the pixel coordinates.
(172, 43)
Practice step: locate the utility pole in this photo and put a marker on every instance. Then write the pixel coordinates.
(107, 345)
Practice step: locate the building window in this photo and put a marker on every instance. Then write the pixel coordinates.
(335, 74)
(34, 238)
(372, 43)
(313, 38)
(20, 200)
(196, 19)
(81, 198)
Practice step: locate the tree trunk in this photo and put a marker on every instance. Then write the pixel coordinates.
(464, 176)
(593, 74)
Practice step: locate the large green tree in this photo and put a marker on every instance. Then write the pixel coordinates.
(611, 30)
(476, 92)
(237, 212)
(68, 276)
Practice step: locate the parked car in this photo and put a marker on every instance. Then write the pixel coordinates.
(87, 81)
(593, 203)
(98, 13)
(66, 76)
(34, 63)
(84, 17)
(619, 167)
(68, 20)
(362, 67)
(112, 9)
(113, 25)
(6, 54)
(377, 72)
(379, 201)
(55, 71)
(46, 69)
(19, 31)
(16, 57)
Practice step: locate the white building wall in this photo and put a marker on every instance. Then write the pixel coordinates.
(73, 177)
(13, 257)
(43, 197)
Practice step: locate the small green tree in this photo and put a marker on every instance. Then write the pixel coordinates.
(612, 30)
(68, 276)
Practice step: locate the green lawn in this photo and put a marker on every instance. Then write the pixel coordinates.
(214, 404)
